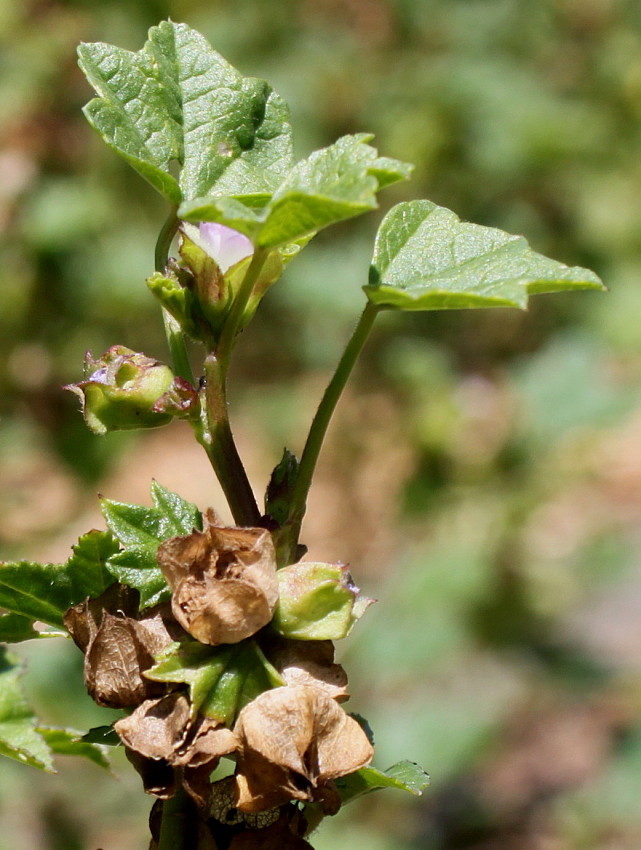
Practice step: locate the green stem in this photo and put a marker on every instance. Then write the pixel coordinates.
(173, 332)
(233, 321)
(217, 440)
(179, 824)
(321, 422)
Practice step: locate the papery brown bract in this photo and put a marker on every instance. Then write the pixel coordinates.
(170, 748)
(307, 662)
(223, 581)
(119, 645)
(292, 742)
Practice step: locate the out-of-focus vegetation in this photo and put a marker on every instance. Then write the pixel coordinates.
(484, 472)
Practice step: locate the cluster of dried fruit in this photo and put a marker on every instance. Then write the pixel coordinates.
(281, 721)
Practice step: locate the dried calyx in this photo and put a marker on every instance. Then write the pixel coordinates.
(120, 643)
(223, 581)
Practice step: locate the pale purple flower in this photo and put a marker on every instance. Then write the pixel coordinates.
(223, 244)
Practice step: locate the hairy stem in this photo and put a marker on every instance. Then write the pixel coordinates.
(321, 422)
(173, 332)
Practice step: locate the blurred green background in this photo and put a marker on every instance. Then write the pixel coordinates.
(483, 473)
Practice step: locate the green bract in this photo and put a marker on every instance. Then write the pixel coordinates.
(221, 679)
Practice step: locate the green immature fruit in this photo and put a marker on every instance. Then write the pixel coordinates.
(317, 602)
(121, 389)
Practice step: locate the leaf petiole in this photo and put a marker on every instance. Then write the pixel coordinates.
(320, 423)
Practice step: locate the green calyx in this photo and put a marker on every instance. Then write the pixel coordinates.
(124, 390)
(317, 602)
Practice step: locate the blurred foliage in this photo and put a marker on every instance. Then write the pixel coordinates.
(484, 473)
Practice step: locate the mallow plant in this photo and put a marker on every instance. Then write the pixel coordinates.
(215, 643)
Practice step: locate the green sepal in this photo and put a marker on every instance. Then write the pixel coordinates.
(281, 487)
(140, 530)
(68, 742)
(221, 679)
(181, 303)
(405, 776)
(45, 591)
(19, 738)
(426, 258)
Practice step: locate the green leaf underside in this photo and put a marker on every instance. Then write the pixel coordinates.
(405, 776)
(15, 628)
(178, 101)
(19, 738)
(44, 591)
(140, 530)
(36, 591)
(426, 258)
(103, 735)
(333, 184)
(68, 742)
(221, 679)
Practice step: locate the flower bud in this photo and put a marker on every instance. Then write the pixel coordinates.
(223, 244)
(317, 601)
(120, 390)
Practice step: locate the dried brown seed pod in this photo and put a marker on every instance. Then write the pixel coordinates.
(119, 644)
(293, 741)
(223, 581)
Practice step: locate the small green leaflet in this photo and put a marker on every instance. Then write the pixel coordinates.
(178, 101)
(221, 679)
(405, 775)
(106, 736)
(44, 591)
(68, 742)
(426, 258)
(331, 185)
(19, 738)
(15, 628)
(140, 530)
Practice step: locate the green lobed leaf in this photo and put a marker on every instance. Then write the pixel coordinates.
(45, 591)
(67, 742)
(88, 564)
(333, 184)
(19, 738)
(140, 530)
(221, 679)
(426, 258)
(178, 101)
(405, 776)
